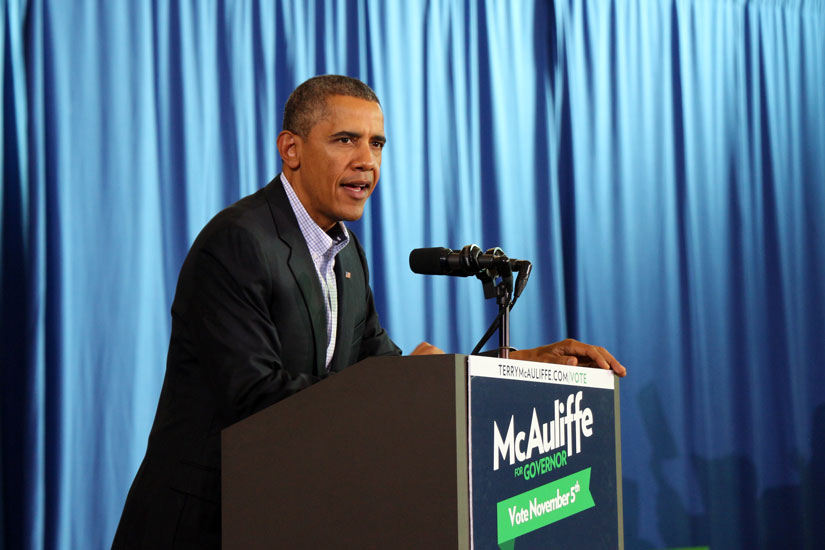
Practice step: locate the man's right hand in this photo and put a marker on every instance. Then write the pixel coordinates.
(425, 348)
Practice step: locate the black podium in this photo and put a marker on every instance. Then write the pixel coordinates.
(380, 456)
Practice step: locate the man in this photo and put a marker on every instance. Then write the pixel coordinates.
(272, 297)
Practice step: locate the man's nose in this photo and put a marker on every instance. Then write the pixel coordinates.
(364, 157)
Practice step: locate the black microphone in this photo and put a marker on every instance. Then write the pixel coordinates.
(464, 263)
(524, 268)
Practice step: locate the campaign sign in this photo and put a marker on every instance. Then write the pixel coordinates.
(545, 468)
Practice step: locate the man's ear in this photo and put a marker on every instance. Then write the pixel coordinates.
(289, 147)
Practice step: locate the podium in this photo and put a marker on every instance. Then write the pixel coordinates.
(429, 452)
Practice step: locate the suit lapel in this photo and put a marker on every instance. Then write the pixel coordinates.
(302, 268)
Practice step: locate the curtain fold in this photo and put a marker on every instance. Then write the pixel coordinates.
(660, 163)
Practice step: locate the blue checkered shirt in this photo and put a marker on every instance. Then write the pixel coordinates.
(323, 247)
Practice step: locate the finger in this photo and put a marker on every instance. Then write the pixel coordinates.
(588, 355)
(598, 356)
(617, 367)
(570, 360)
(425, 348)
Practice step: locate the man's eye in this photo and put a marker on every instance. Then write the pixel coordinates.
(345, 139)
(378, 144)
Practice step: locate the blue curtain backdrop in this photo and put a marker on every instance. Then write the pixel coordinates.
(662, 163)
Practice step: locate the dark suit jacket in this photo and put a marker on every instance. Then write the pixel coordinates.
(248, 329)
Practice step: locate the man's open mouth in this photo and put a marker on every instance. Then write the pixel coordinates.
(357, 189)
(357, 185)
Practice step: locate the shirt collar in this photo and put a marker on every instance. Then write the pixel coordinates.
(322, 244)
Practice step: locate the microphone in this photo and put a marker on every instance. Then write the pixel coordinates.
(488, 267)
(524, 268)
(443, 261)
(464, 263)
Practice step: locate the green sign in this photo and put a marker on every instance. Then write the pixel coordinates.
(542, 506)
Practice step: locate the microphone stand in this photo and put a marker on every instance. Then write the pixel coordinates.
(503, 300)
(502, 292)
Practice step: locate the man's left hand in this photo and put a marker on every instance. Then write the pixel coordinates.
(572, 352)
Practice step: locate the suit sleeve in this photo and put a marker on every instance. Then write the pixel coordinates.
(226, 317)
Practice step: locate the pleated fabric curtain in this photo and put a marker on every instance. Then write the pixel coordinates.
(661, 163)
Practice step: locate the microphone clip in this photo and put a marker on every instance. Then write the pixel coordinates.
(498, 270)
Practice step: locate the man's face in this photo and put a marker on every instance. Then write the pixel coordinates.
(340, 160)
